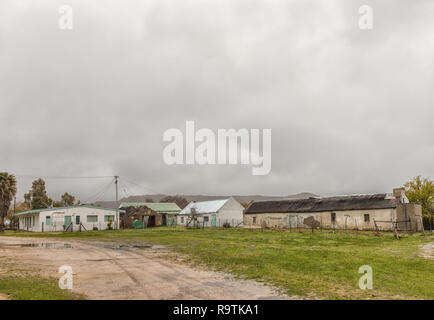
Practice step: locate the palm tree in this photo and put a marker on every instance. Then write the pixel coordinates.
(8, 189)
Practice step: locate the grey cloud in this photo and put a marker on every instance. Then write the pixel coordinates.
(350, 110)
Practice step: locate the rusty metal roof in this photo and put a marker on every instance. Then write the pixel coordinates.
(317, 204)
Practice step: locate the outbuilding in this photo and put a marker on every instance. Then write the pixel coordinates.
(214, 213)
(73, 218)
(383, 211)
(148, 214)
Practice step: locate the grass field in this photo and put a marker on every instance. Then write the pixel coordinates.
(312, 265)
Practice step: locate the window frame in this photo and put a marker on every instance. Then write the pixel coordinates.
(91, 216)
(107, 217)
(333, 217)
(366, 215)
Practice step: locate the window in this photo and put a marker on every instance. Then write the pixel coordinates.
(366, 215)
(48, 221)
(92, 218)
(254, 220)
(333, 215)
(205, 219)
(77, 219)
(182, 219)
(108, 218)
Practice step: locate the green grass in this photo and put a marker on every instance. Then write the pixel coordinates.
(34, 288)
(318, 265)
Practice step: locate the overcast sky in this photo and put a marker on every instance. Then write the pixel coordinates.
(351, 111)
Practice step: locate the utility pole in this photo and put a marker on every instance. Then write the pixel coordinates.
(15, 211)
(117, 207)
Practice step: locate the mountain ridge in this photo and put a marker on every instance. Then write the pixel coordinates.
(199, 197)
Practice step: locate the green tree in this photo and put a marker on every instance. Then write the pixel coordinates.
(18, 207)
(421, 190)
(8, 190)
(58, 204)
(67, 199)
(37, 197)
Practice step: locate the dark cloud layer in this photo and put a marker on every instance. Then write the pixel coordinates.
(350, 110)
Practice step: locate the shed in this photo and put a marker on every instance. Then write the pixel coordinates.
(151, 214)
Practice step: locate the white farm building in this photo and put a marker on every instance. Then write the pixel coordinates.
(74, 218)
(212, 213)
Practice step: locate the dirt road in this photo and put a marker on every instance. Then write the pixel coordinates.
(110, 271)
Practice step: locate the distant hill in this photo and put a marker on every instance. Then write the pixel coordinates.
(158, 197)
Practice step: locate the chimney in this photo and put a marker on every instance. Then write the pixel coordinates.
(399, 193)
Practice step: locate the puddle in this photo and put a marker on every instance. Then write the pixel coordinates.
(134, 246)
(59, 245)
(46, 245)
(158, 247)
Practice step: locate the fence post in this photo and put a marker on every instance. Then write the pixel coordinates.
(376, 228)
(298, 223)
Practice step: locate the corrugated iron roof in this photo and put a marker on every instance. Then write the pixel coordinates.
(204, 206)
(160, 207)
(351, 202)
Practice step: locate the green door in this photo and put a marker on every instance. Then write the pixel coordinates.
(213, 220)
(171, 222)
(68, 223)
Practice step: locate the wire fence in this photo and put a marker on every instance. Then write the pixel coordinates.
(298, 224)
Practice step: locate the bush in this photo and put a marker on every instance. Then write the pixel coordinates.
(428, 222)
(226, 225)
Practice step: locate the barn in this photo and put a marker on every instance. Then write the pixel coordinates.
(214, 213)
(363, 211)
(73, 218)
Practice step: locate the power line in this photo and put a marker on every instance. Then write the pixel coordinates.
(101, 193)
(124, 188)
(61, 177)
(146, 189)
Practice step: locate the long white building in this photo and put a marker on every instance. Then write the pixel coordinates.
(68, 219)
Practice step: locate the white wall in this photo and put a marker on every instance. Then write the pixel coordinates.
(231, 212)
(58, 219)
